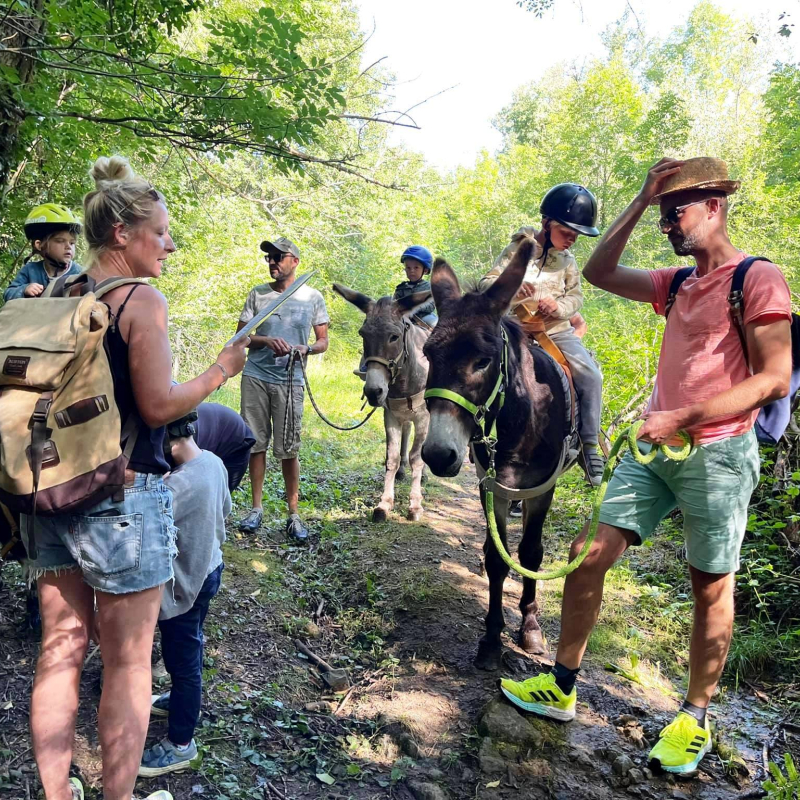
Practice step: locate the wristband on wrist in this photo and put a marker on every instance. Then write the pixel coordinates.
(225, 375)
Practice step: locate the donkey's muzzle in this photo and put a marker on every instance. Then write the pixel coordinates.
(444, 460)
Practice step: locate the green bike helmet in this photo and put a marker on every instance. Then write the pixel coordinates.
(49, 218)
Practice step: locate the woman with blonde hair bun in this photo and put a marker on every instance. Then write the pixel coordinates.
(120, 551)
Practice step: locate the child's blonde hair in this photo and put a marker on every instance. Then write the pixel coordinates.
(120, 195)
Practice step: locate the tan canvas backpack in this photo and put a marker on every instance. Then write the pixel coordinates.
(61, 437)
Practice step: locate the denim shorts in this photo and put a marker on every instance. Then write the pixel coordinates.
(712, 488)
(119, 547)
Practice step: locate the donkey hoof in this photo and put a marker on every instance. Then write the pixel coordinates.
(533, 642)
(379, 514)
(400, 475)
(489, 658)
(414, 514)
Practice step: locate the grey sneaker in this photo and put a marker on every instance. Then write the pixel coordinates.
(295, 528)
(252, 522)
(164, 757)
(161, 794)
(594, 464)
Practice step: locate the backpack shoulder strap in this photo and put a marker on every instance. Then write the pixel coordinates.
(677, 279)
(110, 284)
(736, 298)
(61, 287)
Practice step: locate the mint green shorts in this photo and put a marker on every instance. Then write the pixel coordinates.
(712, 488)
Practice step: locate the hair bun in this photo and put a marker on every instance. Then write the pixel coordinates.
(109, 172)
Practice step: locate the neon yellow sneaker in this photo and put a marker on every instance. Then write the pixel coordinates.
(681, 745)
(542, 696)
(77, 789)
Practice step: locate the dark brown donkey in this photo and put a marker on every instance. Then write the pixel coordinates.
(464, 356)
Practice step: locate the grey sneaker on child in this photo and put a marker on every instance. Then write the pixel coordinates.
(166, 757)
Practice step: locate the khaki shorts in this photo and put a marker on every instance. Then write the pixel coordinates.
(712, 488)
(264, 409)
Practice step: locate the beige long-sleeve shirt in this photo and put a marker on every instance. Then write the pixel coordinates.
(558, 278)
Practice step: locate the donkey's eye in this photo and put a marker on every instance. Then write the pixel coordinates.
(394, 337)
(482, 363)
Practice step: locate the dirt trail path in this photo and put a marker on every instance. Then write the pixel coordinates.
(439, 694)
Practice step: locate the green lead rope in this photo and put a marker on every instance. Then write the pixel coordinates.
(626, 437)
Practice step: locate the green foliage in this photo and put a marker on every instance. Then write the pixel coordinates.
(783, 787)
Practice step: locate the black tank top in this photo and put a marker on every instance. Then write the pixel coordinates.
(148, 452)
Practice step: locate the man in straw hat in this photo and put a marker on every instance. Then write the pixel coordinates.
(703, 385)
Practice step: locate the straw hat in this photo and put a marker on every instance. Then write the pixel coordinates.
(699, 173)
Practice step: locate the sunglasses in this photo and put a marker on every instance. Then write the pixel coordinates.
(276, 258)
(151, 193)
(674, 214)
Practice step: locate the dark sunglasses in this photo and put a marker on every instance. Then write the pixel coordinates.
(151, 193)
(674, 214)
(276, 258)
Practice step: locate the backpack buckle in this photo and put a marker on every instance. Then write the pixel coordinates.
(41, 410)
(735, 299)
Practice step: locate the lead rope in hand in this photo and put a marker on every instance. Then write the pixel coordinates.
(288, 428)
(625, 437)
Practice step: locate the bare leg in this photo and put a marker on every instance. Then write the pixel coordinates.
(421, 422)
(67, 608)
(711, 633)
(583, 590)
(290, 467)
(393, 435)
(490, 647)
(127, 623)
(258, 467)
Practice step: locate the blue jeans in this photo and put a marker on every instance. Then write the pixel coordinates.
(119, 547)
(182, 647)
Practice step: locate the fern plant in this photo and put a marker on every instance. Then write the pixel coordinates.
(783, 787)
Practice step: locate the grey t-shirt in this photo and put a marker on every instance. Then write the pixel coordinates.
(292, 321)
(200, 503)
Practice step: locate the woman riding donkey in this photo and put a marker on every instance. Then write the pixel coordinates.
(550, 297)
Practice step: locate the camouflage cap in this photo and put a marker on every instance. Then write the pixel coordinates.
(282, 245)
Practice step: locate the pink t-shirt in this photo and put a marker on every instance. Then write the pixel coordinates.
(701, 353)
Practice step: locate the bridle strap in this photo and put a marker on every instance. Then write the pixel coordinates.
(393, 365)
(479, 412)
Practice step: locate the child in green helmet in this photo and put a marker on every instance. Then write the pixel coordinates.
(52, 230)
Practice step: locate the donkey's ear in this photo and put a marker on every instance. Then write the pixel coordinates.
(502, 291)
(360, 301)
(407, 305)
(444, 283)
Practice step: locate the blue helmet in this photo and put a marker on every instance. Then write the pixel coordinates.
(420, 253)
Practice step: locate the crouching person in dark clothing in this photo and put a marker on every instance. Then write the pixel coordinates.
(222, 431)
(201, 501)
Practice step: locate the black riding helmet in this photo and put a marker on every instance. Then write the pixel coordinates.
(573, 206)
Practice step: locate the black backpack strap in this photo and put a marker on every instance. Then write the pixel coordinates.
(736, 298)
(677, 279)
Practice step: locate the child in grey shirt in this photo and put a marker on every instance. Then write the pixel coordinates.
(201, 501)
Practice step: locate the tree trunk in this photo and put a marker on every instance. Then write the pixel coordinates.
(18, 29)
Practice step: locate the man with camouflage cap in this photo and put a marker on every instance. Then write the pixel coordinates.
(272, 400)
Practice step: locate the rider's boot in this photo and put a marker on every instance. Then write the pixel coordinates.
(593, 463)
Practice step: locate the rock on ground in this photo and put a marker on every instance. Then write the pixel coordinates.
(501, 722)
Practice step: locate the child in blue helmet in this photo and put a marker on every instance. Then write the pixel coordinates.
(417, 261)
